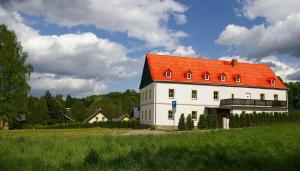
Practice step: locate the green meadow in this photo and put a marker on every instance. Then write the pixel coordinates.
(275, 147)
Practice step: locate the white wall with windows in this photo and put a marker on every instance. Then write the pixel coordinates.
(192, 97)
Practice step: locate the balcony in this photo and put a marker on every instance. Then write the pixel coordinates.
(253, 103)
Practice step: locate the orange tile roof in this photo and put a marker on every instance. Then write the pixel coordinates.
(251, 75)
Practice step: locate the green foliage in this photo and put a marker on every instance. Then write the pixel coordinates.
(211, 121)
(181, 124)
(14, 74)
(294, 95)
(92, 158)
(202, 122)
(189, 122)
(276, 147)
(78, 111)
(38, 111)
(56, 108)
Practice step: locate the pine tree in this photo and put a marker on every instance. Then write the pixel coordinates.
(181, 124)
(202, 122)
(189, 122)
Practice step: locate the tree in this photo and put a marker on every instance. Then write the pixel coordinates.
(14, 74)
(55, 108)
(202, 122)
(69, 101)
(181, 124)
(189, 122)
(38, 111)
(78, 111)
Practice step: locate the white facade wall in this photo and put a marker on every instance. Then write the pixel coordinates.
(159, 102)
(99, 117)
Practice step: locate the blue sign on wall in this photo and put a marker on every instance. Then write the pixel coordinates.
(173, 105)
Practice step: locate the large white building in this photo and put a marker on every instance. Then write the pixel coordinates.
(205, 86)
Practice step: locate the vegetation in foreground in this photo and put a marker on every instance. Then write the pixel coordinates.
(275, 147)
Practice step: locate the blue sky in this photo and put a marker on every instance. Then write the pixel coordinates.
(98, 46)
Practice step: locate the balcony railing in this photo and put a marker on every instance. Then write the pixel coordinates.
(253, 103)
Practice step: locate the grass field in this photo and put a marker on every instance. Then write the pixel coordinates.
(275, 147)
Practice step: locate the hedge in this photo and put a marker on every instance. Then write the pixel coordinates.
(249, 120)
(107, 124)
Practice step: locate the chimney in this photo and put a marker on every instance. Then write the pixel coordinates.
(234, 63)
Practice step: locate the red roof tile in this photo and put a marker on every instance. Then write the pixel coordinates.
(252, 75)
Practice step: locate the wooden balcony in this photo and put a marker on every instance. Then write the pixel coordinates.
(253, 103)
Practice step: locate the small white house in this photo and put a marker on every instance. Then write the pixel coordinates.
(97, 117)
(206, 86)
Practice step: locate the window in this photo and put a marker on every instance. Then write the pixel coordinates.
(194, 115)
(149, 115)
(142, 96)
(170, 115)
(223, 78)
(238, 79)
(216, 95)
(262, 96)
(189, 75)
(171, 93)
(232, 96)
(273, 82)
(168, 74)
(145, 114)
(103, 119)
(96, 119)
(150, 94)
(276, 97)
(142, 117)
(206, 77)
(146, 95)
(194, 94)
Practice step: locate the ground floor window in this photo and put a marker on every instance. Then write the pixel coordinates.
(170, 115)
(149, 114)
(194, 115)
(145, 114)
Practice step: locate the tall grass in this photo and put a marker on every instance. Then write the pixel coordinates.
(275, 147)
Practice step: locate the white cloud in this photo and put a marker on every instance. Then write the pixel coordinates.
(279, 35)
(180, 51)
(71, 63)
(142, 19)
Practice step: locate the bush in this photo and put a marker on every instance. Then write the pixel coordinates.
(152, 127)
(189, 122)
(92, 158)
(211, 121)
(202, 122)
(181, 124)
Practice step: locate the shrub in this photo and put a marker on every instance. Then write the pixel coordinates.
(189, 122)
(211, 121)
(202, 122)
(181, 124)
(152, 127)
(232, 123)
(92, 157)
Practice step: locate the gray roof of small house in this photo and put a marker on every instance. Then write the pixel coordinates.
(68, 117)
(120, 118)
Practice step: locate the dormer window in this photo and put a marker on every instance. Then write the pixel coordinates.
(238, 79)
(168, 74)
(273, 82)
(223, 77)
(189, 75)
(206, 76)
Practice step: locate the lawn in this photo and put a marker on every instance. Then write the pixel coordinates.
(275, 147)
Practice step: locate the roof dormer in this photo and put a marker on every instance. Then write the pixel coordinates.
(189, 75)
(168, 73)
(272, 80)
(237, 78)
(223, 77)
(206, 76)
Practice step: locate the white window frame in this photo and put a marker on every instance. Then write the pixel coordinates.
(218, 95)
(194, 98)
(206, 77)
(223, 78)
(168, 74)
(195, 115)
(238, 79)
(189, 75)
(173, 93)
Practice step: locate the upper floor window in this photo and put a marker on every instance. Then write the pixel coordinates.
(171, 93)
(146, 96)
(276, 97)
(223, 77)
(194, 115)
(262, 96)
(189, 75)
(150, 94)
(168, 74)
(273, 82)
(194, 94)
(142, 96)
(238, 78)
(206, 76)
(216, 95)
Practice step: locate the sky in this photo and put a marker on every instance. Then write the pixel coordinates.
(92, 47)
